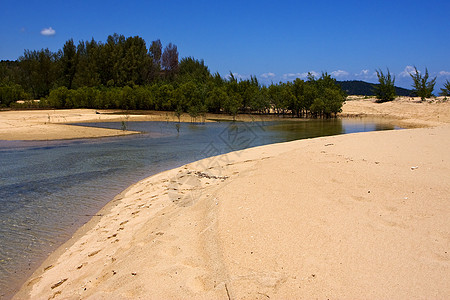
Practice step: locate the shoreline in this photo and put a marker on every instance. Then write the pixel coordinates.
(202, 246)
(221, 173)
(42, 125)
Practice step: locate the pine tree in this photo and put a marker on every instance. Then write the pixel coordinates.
(423, 87)
(385, 90)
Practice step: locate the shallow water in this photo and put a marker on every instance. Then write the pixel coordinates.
(49, 189)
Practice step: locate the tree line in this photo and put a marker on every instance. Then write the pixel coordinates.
(123, 73)
(423, 85)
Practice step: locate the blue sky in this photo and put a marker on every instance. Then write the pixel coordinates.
(274, 40)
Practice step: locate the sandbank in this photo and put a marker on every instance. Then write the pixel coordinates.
(38, 125)
(362, 215)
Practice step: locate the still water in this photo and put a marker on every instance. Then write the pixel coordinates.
(49, 189)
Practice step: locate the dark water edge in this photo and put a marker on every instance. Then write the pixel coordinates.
(49, 189)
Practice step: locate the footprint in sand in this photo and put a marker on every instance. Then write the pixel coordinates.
(58, 283)
(112, 236)
(48, 268)
(55, 294)
(94, 253)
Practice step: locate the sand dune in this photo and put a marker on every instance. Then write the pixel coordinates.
(355, 216)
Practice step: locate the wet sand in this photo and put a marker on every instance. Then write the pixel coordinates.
(353, 216)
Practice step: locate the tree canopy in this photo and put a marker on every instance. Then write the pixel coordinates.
(123, 73)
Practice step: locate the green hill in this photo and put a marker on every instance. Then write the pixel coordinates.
(358, 87)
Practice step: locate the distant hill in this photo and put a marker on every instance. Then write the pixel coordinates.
(358, 87)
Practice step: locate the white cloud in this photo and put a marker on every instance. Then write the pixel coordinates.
(268, 75)
(313, 73)
(48, 31)
(291, 75)
(304, 75)
(365, 74)
(238, 76)
(339, 73)
(407, 71)
(444, 73)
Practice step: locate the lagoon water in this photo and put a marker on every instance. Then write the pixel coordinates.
(49, 189)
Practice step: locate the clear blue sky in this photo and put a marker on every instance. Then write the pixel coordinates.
(274, 40)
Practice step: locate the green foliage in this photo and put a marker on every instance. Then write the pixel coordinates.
(60, 98)
(39, 71)
(385, 90)
(123, 74)
(329, 97)
(69, 62)
(191, 69)
(232, 104)
(446, 90)
(216, 99)
(10, 93)
(422, 87)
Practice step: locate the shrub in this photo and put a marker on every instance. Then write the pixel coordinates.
(385, 90)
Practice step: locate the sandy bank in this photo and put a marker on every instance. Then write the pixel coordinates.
(404, 111)
(51, 124)
(355, 216)
(55, 124)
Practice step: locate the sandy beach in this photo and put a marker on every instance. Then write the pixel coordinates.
(361, 215)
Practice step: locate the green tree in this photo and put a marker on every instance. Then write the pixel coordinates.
(385, 90)
(169, 60)
(40, 71)
(446, 90)
(260, 101)
(87, 73)
(69, 62)
(155, 52)
(11, 92)
(422, 87)
(191, 69)
(216, 99)
(298, 105)
(10, 72)
(58, 98)
(274, 95)
(233, 104)
(165, 97)
(136, 63)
